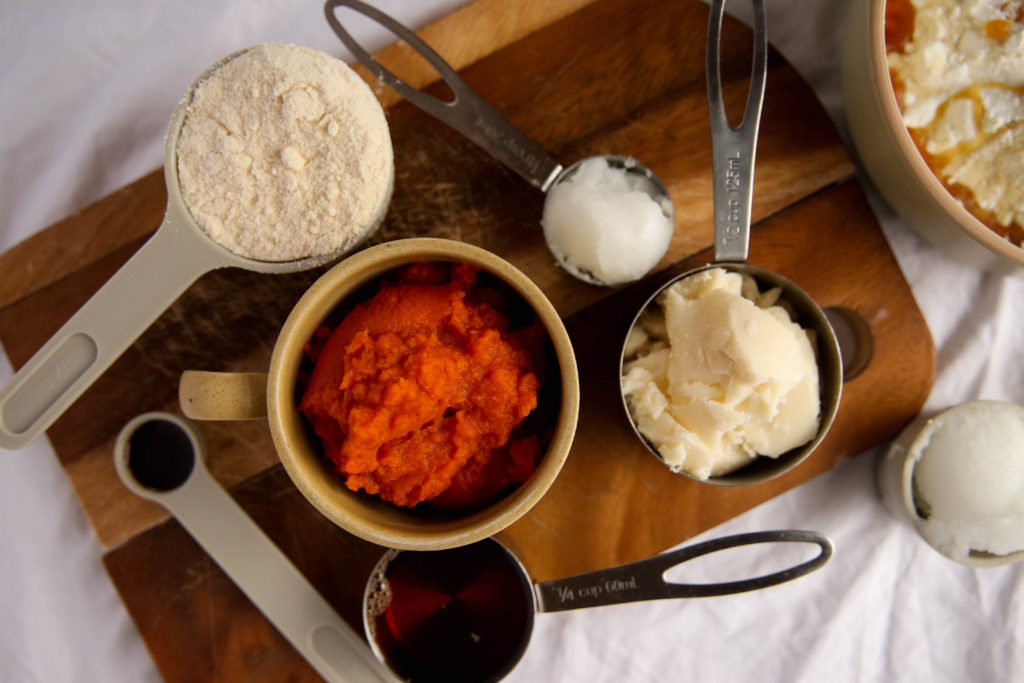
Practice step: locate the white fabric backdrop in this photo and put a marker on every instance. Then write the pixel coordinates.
(88, 89)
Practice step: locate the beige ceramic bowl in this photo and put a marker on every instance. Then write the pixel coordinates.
(365, 515)
(891, 159)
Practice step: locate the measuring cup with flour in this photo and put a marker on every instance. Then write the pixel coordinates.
(608, 219)
(306, 192)
(466, 614)
(731, 374)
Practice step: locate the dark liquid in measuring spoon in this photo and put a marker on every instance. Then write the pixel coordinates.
(455, 615)
(161, 455)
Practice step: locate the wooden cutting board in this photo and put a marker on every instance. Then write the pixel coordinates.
(580, 77)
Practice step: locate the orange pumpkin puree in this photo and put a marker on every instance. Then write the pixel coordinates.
(417, 393)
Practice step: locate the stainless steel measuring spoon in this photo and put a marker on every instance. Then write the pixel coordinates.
(171, 260)
(733, 152)
(160, 456)
(471, 115)
(466, 614)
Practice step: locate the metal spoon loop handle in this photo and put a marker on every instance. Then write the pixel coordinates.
(733, 149)
(468, 113)
(644, 579)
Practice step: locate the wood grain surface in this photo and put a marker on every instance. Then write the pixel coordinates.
(580, 78)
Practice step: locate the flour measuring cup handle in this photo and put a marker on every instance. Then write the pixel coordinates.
(95, 336)
(467, 113)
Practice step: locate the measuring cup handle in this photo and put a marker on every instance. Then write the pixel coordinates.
(87, 344)
(468, 113)
(703, 590)
(644, 579)
(733, 149)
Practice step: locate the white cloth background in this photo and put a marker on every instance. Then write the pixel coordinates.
(88, 87)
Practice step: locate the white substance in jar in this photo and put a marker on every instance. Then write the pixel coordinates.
(602, 223)
(968, 480)
(284, 154)
(723, 376)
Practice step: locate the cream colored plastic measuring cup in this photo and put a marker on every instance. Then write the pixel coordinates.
(160, 456)
(173, 258)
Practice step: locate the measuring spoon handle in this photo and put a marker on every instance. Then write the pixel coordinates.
(733, 149)
(468, 113)
(80, 351)
(255, 564)
(644, 579)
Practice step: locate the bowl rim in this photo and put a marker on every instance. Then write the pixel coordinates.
(970, 224)
(286, 423)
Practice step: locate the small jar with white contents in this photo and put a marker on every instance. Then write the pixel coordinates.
(959, 477)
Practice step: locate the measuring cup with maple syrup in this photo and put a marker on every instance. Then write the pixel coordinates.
(466, 614)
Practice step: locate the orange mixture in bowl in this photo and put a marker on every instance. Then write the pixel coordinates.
(421, 392)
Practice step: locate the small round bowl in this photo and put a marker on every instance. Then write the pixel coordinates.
(299, 449)
(900, 493)
(807, 314)
(891, 159)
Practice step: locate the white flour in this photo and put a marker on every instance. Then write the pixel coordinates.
(284, 154)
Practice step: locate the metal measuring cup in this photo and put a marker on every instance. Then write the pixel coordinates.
(135, 296)
(471, 115)
(733, 152)
(467, 614)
